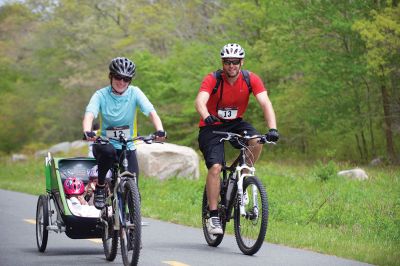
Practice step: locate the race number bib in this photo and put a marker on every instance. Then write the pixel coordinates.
(227, 113)
(115, 132)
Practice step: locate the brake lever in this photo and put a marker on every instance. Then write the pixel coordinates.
(229, 137)
(265, 141)
(148, 141)
(102, 140)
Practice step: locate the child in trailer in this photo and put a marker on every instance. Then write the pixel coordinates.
(91, 186)
(74, 189)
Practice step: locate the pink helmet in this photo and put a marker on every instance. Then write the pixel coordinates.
(73, 186)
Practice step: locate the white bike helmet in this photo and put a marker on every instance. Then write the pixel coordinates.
(232, 50)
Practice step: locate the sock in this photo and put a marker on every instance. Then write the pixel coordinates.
(214, 213)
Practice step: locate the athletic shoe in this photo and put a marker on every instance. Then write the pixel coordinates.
(214, 226)
(99, 197)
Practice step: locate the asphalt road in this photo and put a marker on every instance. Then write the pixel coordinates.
(163, 244)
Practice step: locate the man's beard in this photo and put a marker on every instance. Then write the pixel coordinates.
(232, 76)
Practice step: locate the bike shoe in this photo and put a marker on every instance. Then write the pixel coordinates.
(214, 226)
(99, 197)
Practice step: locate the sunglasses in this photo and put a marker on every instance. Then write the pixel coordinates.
(234, 62)
(118, 77)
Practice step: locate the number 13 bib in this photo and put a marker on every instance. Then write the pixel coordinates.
(227, 113)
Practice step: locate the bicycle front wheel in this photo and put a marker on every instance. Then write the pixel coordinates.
(251, 228)
(130, 230)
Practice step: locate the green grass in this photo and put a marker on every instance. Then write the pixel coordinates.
(324, 213)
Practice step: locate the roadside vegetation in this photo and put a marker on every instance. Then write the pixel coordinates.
(331, 69)
(310, 207)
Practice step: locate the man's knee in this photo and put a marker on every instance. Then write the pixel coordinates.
(254, 145)
(215, 169)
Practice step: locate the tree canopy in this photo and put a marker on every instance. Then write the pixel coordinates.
(331, 67)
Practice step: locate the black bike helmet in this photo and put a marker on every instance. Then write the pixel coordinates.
(122, 66)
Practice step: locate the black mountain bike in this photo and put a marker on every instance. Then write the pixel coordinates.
(121, 215)
(242, 194)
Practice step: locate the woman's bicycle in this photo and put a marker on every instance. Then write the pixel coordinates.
(121, 215)
(243, 194)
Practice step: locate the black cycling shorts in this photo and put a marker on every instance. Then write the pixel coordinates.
(210, 145)
(106, 155)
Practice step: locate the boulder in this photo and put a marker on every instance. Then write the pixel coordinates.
(41, 153)
(63, 147)
(60, 147)
(356, 173)
(167, 160)
(77, 144)
(376, 162)
(18, 157)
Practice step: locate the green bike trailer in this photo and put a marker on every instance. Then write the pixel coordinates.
(57, 170)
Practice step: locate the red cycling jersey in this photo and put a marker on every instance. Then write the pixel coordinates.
(235, 98)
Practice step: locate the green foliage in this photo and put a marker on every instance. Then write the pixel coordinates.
(382, 40)
(323, 63)
(325, 171)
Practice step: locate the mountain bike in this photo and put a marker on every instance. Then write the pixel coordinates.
(121, 215)
(242, 194)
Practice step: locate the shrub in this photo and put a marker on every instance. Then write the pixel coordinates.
(325, 171)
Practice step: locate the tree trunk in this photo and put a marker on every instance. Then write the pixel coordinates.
(388, 124)
(365, 147)
(370, 123)
(359, 147)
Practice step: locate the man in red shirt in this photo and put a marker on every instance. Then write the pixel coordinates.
(222, 111)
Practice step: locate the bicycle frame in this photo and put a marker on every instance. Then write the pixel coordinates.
(120, 174)
(236, 173)
(118, 180)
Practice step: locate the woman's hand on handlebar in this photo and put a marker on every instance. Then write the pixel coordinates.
(160, 135)
(89, 135)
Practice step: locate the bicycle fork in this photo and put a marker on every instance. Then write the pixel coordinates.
(121, 215)
(243, 199)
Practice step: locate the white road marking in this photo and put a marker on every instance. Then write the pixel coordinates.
(175, 263)
(30, 221)
(95, 240)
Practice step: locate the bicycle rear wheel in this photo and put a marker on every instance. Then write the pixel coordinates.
(250, 229)
(42, 221)
(110, 236)
(211, 239)
(130, 230)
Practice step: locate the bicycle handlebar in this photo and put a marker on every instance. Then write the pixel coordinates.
(245, 137)
(122, 139)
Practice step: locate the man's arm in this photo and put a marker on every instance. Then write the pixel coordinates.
(201, 104)
(268, 110)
